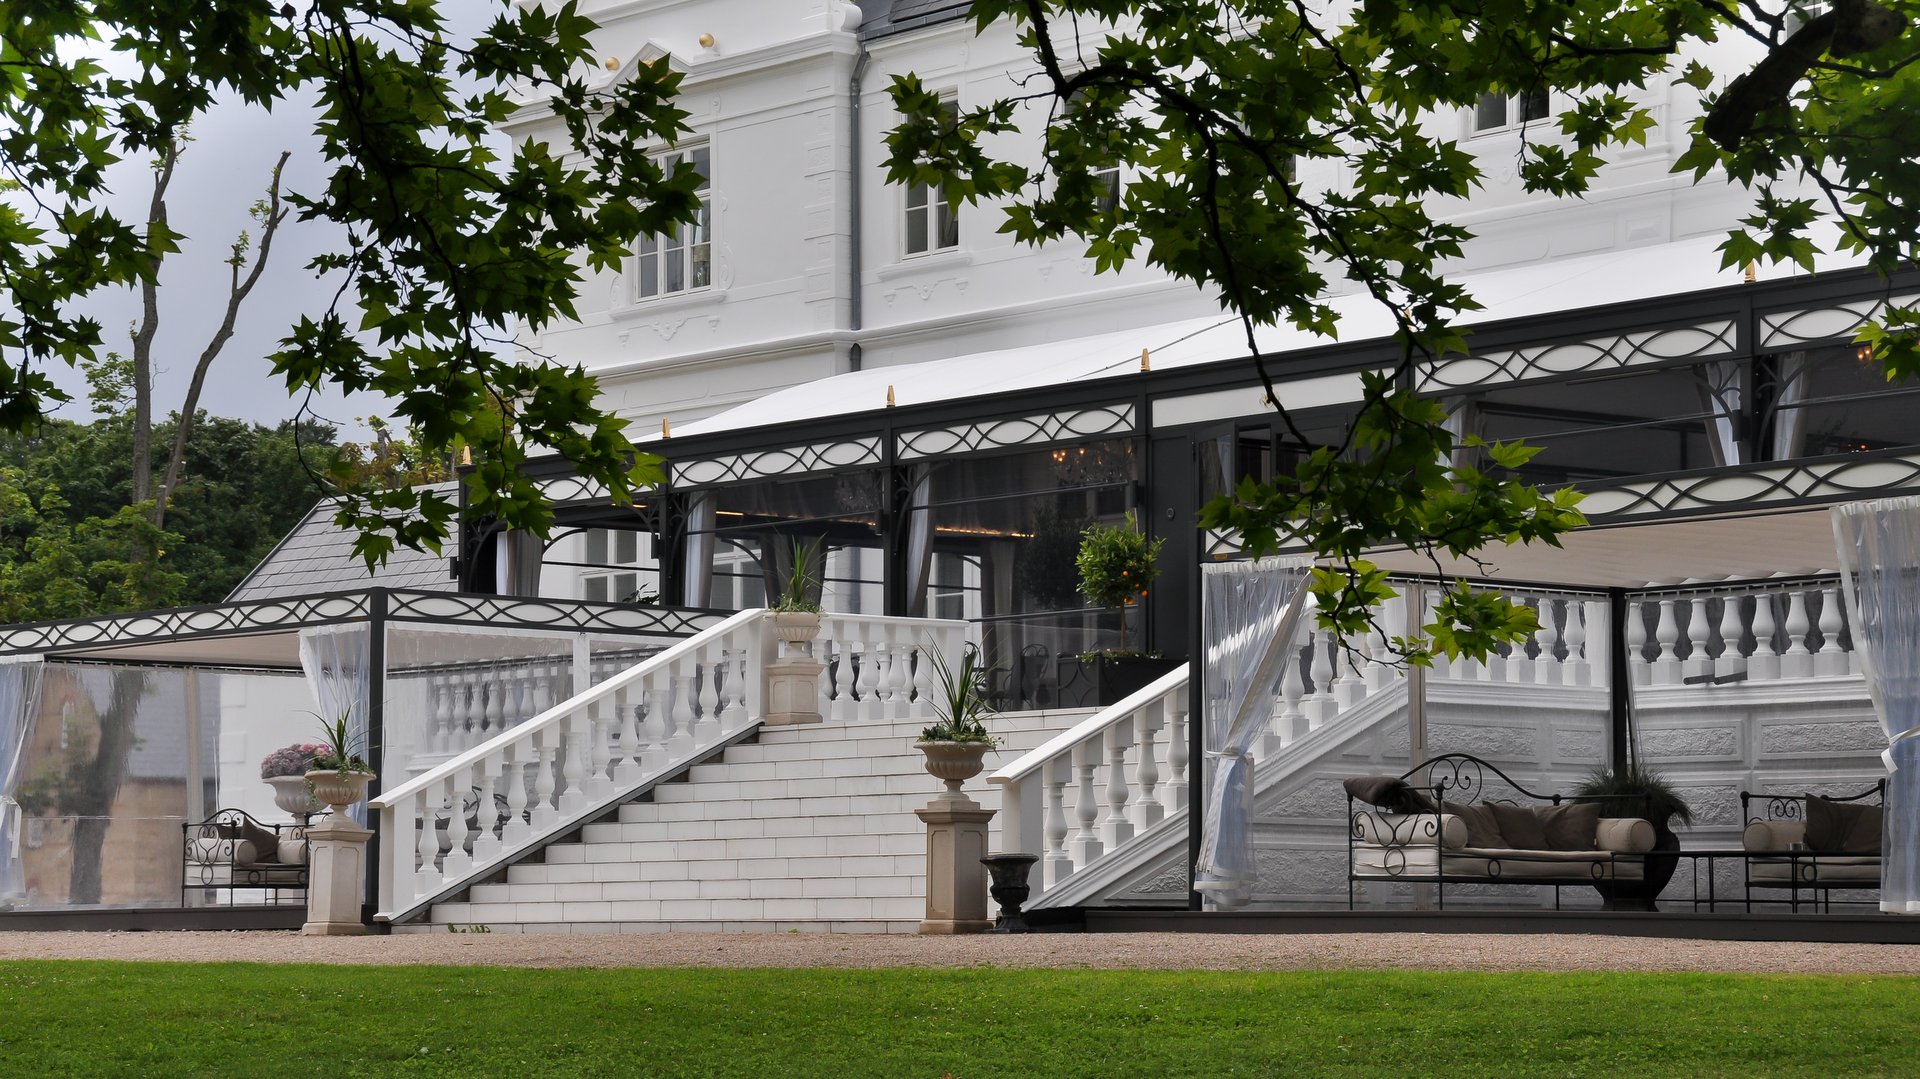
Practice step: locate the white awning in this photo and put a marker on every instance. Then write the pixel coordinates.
(1542, 288)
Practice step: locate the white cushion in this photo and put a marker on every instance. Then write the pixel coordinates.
(1516, 865)
(1625, 835)
(1409, 829)
(1825, 869)
(1773, 834)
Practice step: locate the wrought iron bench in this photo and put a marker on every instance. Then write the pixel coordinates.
(1452, 840)
(1779, 856)
(231, 852)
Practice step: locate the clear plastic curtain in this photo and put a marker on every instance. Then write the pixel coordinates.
(517, 559)
(340, 678)
(919, 541)
(1790, 420)
(19, 701)
(1879, 548)
(1252, 613)
(699, 556)
(1720, 388)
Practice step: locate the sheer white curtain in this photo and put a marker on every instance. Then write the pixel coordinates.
(1253, 614)
(699, 552)
(19, 701)
(340, 678)
(919, 541)
(1879, 548)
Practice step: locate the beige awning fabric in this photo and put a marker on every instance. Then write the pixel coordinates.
(1737, 548)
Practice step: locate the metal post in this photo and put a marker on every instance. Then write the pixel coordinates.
(376, 736)
(1619, 679)
(1415, 595)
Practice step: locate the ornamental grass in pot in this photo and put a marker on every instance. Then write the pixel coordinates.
(956, 744)
(339, 773)
(1652, 797)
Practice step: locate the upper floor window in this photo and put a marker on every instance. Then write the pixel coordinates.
(682, 257)
(1108, 179)
(1496, 111)
(933, 220)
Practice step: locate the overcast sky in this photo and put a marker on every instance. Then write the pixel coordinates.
(222, 173)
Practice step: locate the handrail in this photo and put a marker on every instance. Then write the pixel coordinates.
(1087, 728)
(562, 710)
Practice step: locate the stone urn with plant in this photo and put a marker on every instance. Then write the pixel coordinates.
(1636, 790)
(956, 744)
(285, 770)
(338, 773)
(1117, 563)
(793, 676)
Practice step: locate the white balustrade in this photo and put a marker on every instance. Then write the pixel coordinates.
(878, 666)
(1776, 619)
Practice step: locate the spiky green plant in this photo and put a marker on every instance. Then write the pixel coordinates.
(1664, 803)
(960, 704)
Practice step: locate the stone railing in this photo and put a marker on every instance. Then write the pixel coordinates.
(1756, 633)
(541, 778)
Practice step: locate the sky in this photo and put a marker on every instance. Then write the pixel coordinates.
(223, 172)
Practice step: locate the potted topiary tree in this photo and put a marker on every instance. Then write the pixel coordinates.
(1117, 563)
(1655, 799)
(956, 744)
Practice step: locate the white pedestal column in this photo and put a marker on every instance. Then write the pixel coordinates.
(336, 877)
(956, 881)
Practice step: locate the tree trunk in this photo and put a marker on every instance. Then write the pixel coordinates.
(94, 788)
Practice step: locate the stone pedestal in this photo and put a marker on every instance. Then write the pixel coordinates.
(956, 881)
(336, 877)
(793, 690)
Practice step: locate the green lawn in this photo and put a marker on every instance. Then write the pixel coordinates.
(174, 1020)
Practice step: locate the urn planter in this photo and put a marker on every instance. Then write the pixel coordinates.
(292, 795)
(339, 789)
(954, 762)
(1009, 888)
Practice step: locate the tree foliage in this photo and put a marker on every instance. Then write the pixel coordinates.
(1226, 115)
(450, 242)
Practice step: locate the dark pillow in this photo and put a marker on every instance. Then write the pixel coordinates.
(1571, 826)
(1390, 793)
(1849, 828)
(1482, 830)
(1521, 825)
(266, 844)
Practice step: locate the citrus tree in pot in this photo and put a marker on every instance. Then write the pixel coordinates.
(956, 743)
(1117, 563)
(1636, 790)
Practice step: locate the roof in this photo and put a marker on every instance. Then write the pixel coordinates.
(904, 15)
(1529, 290)
(317, 556)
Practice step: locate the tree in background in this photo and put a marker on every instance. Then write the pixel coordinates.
(1216, 108)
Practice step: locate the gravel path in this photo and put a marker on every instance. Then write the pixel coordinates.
(1173, 951)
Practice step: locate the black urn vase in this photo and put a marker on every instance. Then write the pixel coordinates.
(1008, 886)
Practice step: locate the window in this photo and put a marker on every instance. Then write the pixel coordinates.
(617, 566)
(1108, 179)
(1499, 110)
(681, 258)
(933, 224)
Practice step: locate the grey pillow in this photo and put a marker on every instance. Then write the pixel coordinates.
(1571, 826)
(1522, 826)
(1849, 828)
(1482, 830)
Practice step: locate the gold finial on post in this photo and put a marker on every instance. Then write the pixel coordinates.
(666, 427)
(1145, 364)
(889, 395)
(1752, 272)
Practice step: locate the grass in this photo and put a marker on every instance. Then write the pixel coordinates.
(63, 1018)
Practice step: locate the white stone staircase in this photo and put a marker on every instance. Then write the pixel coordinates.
(808, 828)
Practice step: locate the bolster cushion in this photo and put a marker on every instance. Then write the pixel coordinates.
(1623, 835)
(1772, 835)
(1410, 830)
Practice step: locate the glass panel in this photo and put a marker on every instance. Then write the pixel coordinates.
(1491, 113)
(701, 157)
(1828, 401)
(1533, 106)
(594, 588)
(626, 547)
(917, 225)
(597, 545)
(949, 222)
(649, 269)
(1610, 426)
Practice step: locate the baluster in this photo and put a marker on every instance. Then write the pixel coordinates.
(683, 716)
(1175, 788)
(573, 762)
(496, 718)
(1292, 689)
(1321, 705)
(1058, 774)
(1278, 731)
(1764, 665)
(1116, 829)
(486, 816)
(456, 862)
(427, 846)
(706, 730)
(1348, 688)
(548, 753)
(1086, 841)
(923, 683)
(437, 738)
(1546, 665)
(1577, 671)
(1145, 807)
(665, 703)
(1666, 665)
(1496, 663)
(653, 726)
(600, 729)
(1640, 672)
(1832, 660)
(1379, 673)
(516, 830)
(734, 714)
(1729, 661)
(541, 687)
(869, 680)
(1519, 665)
(475, 727)
(1699, 632)
(626, 717)
(901, 668)
(844, 706)
(1798, 662)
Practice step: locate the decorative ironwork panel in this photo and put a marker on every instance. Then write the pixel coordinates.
(568, 489)
(1824, 324)
(1818, 481)
(773, 464)
(187, 623)
(1017, 431)
(1699, 341)
(564, 615)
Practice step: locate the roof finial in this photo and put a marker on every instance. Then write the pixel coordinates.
(889, 395)
(1753, 272)
(1145, 364)
(666, 427)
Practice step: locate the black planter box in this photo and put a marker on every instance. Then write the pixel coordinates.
(1104, 680)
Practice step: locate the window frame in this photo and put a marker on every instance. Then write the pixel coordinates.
(1516, 111)
(689, 246)
(939, 218)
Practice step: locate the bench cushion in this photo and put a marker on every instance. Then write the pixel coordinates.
(1851, 827)
(1822, 869)
(1494, 864)
(1409, 829)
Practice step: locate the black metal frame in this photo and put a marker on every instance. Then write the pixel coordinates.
(1792, 807)
(1465, 776)
(202, 870)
